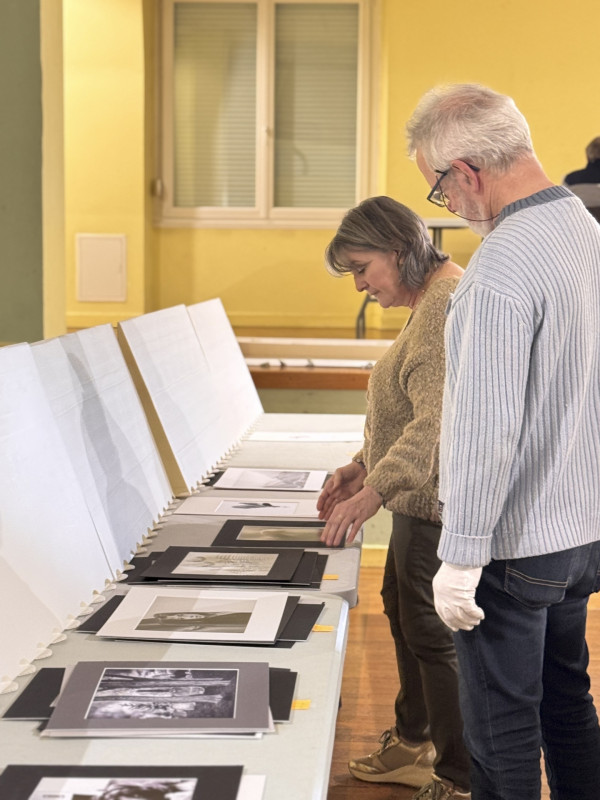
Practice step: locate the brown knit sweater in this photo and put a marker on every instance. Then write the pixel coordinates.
(404, 407)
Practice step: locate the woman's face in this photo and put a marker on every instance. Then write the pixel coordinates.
(376, 272)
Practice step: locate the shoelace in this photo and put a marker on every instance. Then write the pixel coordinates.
(385, 738)
(432, 791)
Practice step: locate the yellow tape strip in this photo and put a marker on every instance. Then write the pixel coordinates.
(300, 705)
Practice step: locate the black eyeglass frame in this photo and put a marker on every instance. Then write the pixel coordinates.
(436, 195)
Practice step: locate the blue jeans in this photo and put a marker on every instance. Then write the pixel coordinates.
(523, 679)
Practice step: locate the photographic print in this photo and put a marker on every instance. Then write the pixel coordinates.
(291, 480)
(230, 565)
(164, 693)
(283, 533)
(177, 620)
(278, 693)
(163, 698)
(233, 564)
(70, 782)
(114, 789)
(247, 506)
(196, 615)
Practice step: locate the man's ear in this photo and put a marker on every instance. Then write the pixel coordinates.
(465, 174)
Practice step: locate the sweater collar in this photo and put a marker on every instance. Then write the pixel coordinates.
(539, 198)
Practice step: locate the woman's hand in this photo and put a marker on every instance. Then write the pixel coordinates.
(349, 515)
(345, 482)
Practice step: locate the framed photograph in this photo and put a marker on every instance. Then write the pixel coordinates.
(247, 507)
(284, 480)
(55, 782)
(124, 698)
(281, 532)
(226, 564)
(39, 705)
(196, 615)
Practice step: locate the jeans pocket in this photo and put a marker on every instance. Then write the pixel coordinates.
(535, 588)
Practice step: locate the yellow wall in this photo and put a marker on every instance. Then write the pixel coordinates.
(105, 184)
(53, 164)
(544, 54)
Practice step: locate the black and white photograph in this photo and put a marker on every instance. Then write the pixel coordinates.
(70, 782)
(238, 564)
(247, 506)
(114, 789)
(228, 565)
(283, 533)
(164, 693)
(232, 620)
(178, 564)
(170, 698)
(200, 615)
(291, 480)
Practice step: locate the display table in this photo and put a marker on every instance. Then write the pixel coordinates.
(296, 758)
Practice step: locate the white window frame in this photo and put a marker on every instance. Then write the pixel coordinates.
(264, 215)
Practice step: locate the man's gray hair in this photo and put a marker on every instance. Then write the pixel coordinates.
(469, 122)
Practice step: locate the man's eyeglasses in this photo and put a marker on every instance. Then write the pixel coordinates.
(436, 195)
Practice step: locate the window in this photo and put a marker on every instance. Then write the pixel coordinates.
(265, 112)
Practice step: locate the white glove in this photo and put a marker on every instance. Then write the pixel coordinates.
(454, 596)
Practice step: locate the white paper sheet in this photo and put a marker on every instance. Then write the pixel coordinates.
(47, 536)
(252, 787)
(306, 436)
(169, 613)
(239, 400)
(335, 363)
(106, 433)
(290, 480)
(183, 392)
(248, 507)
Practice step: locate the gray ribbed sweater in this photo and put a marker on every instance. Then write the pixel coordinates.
(520, 443)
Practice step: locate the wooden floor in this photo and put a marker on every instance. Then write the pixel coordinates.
(369, 686)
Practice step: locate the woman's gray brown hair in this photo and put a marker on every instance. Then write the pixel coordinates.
(384, 224)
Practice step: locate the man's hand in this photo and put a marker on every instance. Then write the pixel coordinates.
(454, 596)
(347, 516)
(345, 482)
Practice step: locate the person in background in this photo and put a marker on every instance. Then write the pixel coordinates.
(585, 183)
(386, 248)
(519, 449)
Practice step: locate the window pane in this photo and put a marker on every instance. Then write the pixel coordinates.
(214, 104)
(316, 64)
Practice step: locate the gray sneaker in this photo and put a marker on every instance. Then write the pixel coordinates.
(396, 762)
(439, 789)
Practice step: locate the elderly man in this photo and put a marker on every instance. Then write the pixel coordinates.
(519, 452)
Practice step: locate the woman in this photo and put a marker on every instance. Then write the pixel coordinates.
(387, 250)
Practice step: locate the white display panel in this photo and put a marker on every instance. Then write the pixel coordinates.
(106, 433)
